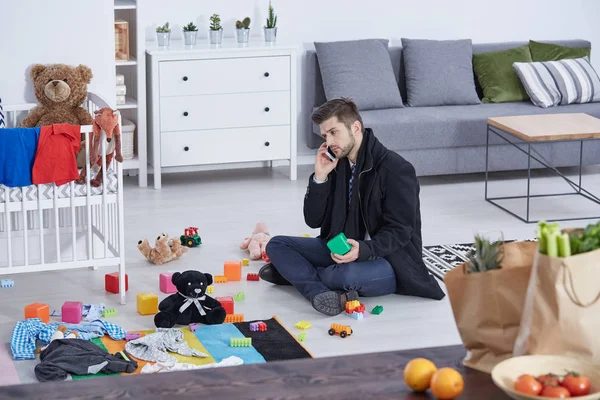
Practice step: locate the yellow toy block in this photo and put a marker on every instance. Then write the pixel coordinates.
(210, 289)
(233, 270)
(352, 304)
(245, 262)
(230, 318)
(147, 303)
(303, 325)
(220, 279)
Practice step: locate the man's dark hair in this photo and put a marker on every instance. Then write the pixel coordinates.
(344, 109)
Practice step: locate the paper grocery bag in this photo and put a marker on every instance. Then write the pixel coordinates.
(487, 306)
(562, 308)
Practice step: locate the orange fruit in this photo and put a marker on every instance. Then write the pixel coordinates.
(447, 383)
(418, 373)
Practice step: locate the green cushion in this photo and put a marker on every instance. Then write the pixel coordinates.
(555, 52)
(497, 77)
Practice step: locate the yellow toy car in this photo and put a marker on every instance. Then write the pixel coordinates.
(339, 329)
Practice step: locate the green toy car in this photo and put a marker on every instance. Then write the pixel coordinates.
(190, 237)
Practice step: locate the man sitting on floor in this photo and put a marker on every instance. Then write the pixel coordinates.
(372, 195)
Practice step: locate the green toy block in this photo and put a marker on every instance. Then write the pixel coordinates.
(240, 342)
(109, 312)
(377, 310)
(302, 336)
(339, 244)
(239, 296)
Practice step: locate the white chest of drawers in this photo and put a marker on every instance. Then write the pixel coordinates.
(230, 103)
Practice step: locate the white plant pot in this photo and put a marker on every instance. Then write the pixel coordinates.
(190, 37)
(243, 35)
(270, 34)
(164, 38)
(216, 37)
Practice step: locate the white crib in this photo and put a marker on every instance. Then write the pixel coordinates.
(48, 227)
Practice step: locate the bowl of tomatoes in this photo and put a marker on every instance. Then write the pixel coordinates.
(547, 377)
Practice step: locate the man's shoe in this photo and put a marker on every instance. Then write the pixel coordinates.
(333, 303)
(270, 274)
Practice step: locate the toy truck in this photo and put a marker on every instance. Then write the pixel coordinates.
(190, 237)
(339, 329)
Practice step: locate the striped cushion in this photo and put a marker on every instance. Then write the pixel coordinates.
(2, 125)
(561, 82)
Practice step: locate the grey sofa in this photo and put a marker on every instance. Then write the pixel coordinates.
(451, 139)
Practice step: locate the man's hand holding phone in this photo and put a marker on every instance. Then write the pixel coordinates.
(324, 165)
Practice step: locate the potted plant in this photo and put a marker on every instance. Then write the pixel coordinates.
(243, 30)
(271, 26)
(189, 34)
(216, 30)
(163, 34)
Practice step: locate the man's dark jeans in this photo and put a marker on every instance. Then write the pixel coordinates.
(307, 264)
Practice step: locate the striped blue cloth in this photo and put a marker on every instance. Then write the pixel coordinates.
(352, 170)
(25, 334)
(2, 124)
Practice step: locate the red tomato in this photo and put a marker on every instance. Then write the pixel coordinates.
(577, 385)
(549, 379)
(555, 391)
(528, 384)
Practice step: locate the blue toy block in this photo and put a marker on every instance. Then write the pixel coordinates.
(6, 283)
(356, 315)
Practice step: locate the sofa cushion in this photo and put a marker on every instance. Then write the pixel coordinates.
(450, 126)
(361, 70)
(439, 72)
(498, 78)
(553, 52)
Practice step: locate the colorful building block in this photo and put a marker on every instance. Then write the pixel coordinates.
(239, 296)
(303, 325)
(240, 342)
(227, 303)
(38, 310)
(210, 289)
(194, 326)
(252, 277)
(302, 336)
(111, 282)
(356, 315)
(258, 326)
(262, 327)
(220, 279)
(109, 312)
(245, 262)
(352, 305)
(71, 312)
(254, 326)
(377, 310)
(339, 244)
(233, 270)
(7, 283)
(166, 286)
(231, 318)
(132, 336)
(147, 303)
(265, 257)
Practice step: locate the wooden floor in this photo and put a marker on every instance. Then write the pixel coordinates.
(225, 205)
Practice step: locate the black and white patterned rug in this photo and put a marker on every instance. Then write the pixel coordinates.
(440, 259)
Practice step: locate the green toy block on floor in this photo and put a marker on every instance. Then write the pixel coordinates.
(339, 244)
(239, 296)
(302, 336)
(377, 310)
(240, 342)
(109, 312)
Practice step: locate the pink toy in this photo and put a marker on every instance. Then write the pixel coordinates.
(71, 312)
(132, 336)
(193, 327)
(166, 286)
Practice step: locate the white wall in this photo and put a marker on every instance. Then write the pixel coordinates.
(306, 21)
(59, 31)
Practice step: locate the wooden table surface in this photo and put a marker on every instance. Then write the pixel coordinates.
(549, 127)
(363, 376)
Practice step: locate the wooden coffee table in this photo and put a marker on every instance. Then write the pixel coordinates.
(362, 376)
(543, 128)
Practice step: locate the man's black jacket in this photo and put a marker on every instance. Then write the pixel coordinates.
(389, 207)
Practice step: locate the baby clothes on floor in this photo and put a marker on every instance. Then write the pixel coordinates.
(170, 367)
(25, 333)
(154, 347)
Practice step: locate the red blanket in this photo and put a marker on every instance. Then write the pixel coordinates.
(55, 159)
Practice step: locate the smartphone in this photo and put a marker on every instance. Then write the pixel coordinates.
(330, 154)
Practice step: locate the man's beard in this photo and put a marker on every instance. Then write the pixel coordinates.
(349, 147)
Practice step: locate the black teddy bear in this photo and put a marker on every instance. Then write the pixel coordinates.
(190, 304)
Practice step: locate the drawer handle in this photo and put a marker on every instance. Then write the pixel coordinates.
(186, 148)
(267, 74)
(267, 144)
(185, 114)
(185, 78)
(267, 109)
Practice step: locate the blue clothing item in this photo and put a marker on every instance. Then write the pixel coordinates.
(307, 264)
(17, 155)
(25, 334)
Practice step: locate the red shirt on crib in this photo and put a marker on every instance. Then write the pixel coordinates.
(56, 155)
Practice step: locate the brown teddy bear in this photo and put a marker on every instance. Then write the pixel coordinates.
(164, 250)
(61, 90)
